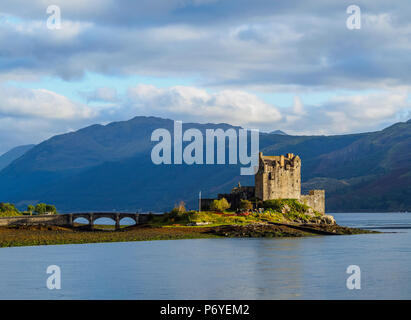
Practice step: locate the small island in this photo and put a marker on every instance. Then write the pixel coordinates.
(273, 207)
(278, 218)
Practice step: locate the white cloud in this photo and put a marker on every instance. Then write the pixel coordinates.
(230, 44)
(194, 104)
(102, 94)
(40, 103)
(339, 115)
(230, 47)
(349, 113)
(31, 115)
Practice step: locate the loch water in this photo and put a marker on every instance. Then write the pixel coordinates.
(286, 268)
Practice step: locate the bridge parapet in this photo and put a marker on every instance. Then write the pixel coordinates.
(69, 218)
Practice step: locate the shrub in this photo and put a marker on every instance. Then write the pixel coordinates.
(30, 209)
(220, 205)
(178, 211)
(277, 205)
(8, 209)
(246, 205)
(42, 208)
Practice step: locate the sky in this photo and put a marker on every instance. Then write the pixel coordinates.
(272, 65)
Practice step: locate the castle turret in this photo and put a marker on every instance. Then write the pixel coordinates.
(278, 177)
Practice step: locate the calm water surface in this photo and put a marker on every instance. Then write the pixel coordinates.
(292, 268)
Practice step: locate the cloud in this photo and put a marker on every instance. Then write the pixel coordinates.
(229, 48)
(270, 45)
(32, 115)
(348, 113)
(194, 104)
(40, 103)
(102, 94)
(340, 114)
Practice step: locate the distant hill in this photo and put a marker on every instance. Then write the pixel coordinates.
(13, 154)
(109, 167)
(373, 173)
(278, 132)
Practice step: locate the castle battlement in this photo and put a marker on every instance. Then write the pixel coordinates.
(288, 161)
(279, 177)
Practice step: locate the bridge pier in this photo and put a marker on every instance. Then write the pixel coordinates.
(117, 221)
(91, 221)
(70, 219)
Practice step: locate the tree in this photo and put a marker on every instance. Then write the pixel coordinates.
(220, 205)
(246, 205)
(50, 209)
(42, 208)
(8, 209)
(30, 209)
(179, 209)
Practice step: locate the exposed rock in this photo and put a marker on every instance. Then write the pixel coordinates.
(322, 220)
(198, 223)
(286, 209)
(283, 230)
(328, 219)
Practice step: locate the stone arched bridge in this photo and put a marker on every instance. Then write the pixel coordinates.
(117, 217)
(69, 218)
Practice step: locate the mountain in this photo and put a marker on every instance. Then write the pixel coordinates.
(13, 154)
(109, 168)
(373, 173)
(278, 132)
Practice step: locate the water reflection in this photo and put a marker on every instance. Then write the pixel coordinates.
(288, 268)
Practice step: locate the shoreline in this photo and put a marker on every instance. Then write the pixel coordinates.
(19, 236)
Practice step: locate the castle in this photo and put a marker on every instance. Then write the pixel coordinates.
(278, 177)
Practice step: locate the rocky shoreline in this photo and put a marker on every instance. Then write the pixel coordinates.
(49, 235)
(271, 230)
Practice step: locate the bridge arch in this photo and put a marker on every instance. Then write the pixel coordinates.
(80, 218)
(116, 217)
(128, 221)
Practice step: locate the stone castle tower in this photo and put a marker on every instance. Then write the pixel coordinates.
(278, 177)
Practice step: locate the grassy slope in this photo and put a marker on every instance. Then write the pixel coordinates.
(284, 211)
(227, 217)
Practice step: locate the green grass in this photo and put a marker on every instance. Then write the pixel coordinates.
(272, 212)
(10, 214)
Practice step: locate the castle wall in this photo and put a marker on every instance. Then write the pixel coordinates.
(315, 199)
(260, 182)
(283, 183)
(206, 204)
(278, 177)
